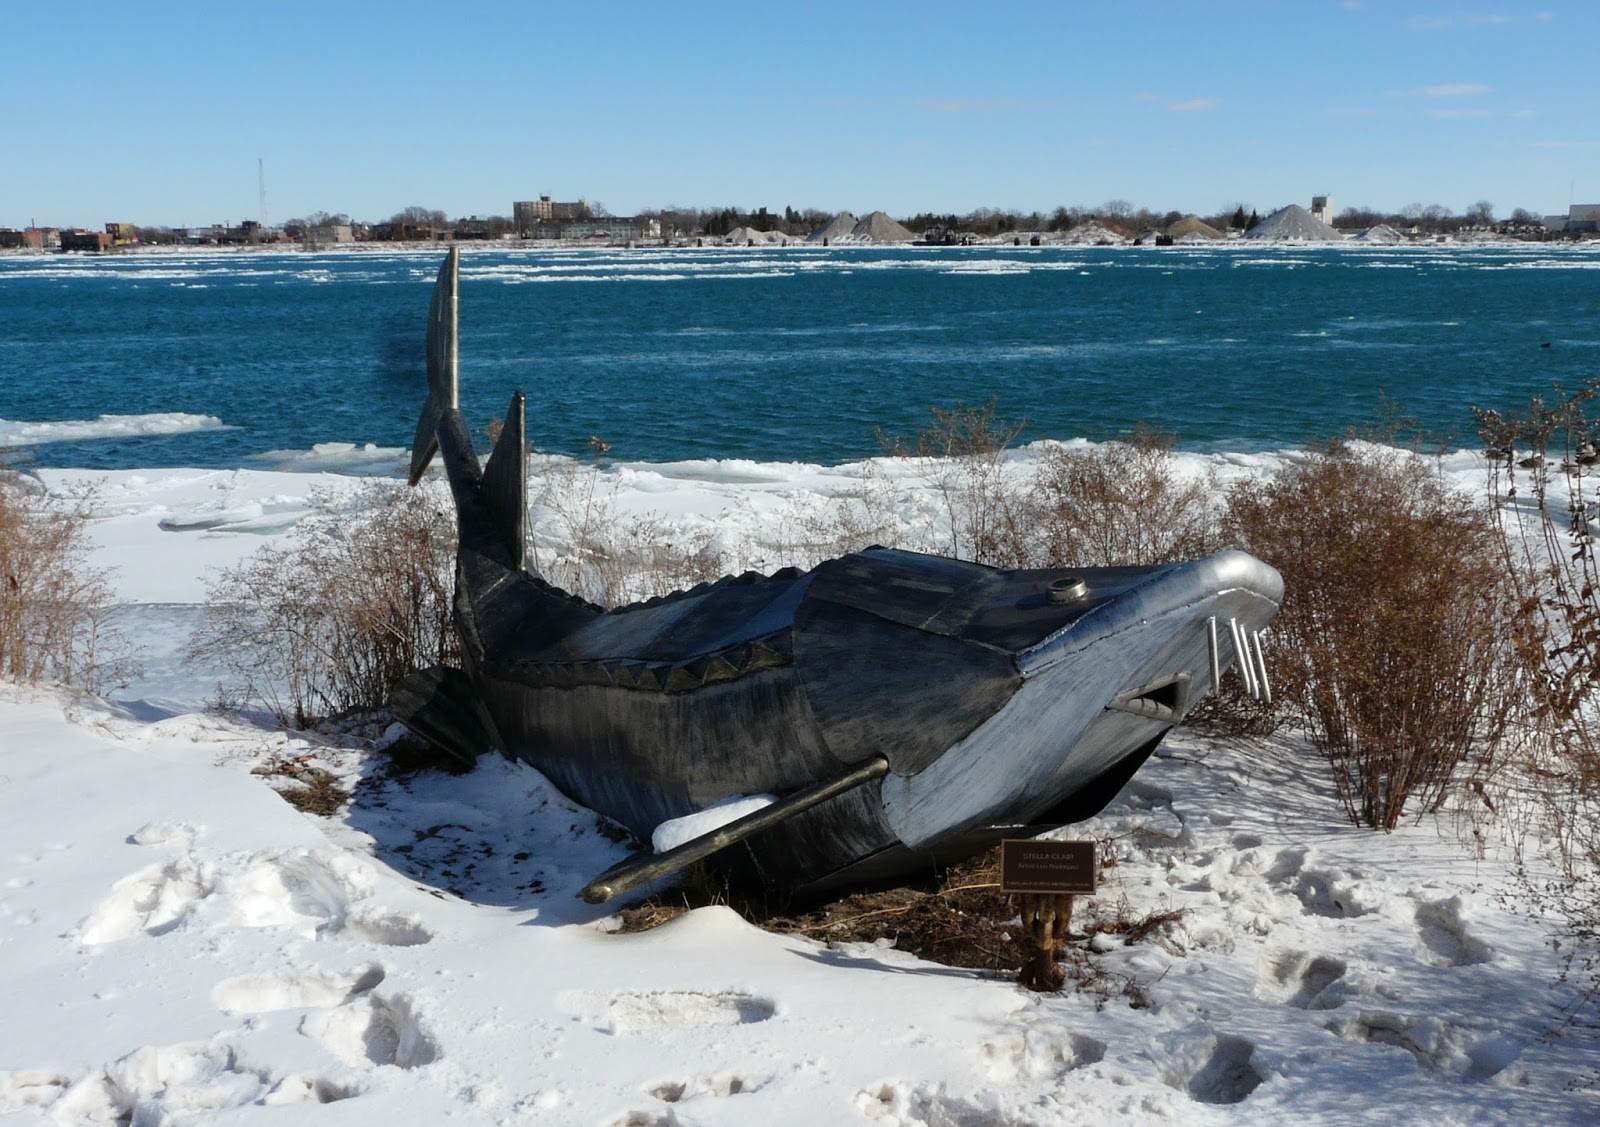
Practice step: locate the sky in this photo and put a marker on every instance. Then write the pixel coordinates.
(158, 113)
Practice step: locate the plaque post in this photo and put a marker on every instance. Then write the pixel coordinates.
(1043, 877)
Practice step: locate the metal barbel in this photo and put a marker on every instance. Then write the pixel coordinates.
(1241, 652)
(1216, 657)
(1261, 669)
(630, 874)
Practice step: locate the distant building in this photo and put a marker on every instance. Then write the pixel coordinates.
(92, 241)
(12, 239)
(615, 228)
(1583, 217)
(1322, 209)
(528, 214)
(330, 233)
(122, 234)
(1580, 217)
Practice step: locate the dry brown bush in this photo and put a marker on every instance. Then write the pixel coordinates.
(1400, 637)
(963, 456)
(55, 609)
(1121, 502)
(330, 621)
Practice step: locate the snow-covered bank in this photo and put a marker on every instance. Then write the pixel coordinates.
(184, 947)
(181, 946)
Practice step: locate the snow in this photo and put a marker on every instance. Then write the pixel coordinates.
(676, 831)
(181, 946)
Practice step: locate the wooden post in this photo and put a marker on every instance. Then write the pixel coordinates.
(1042, 878)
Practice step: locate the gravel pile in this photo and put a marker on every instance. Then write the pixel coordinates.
(1190, 227)
(1382, 233)
(749, 236)
(1094, 235)
(1294, 223)
(840, 227)
(879, 228)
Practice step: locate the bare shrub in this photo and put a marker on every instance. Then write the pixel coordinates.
(1399, 638)
(332, 620)
(811, 528)
(1546, 508)
(582, 544)
(1125, 501)
(55, 609)
(963, 456)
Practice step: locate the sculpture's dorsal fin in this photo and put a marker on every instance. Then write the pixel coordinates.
(443, 369)
(505, 481)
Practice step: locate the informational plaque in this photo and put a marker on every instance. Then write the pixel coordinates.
(1050, 868)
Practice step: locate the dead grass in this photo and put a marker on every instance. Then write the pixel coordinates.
(307, 787)
(962, 919)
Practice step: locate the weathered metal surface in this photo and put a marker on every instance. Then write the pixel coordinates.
(638, 871)
(998, 698)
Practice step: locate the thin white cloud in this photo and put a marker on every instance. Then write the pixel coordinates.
(1349, 111)
(1456, 90)
(1146, 96)
(1194, 105)
(1441, 23)
(1582, 145)
(1461, 113)
(980, 105)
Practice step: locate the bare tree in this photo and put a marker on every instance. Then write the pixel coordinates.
(1481, 214)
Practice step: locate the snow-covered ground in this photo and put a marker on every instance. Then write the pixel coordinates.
(179, 945)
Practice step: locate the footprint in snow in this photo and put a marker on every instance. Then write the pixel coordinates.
(1302, 979)
(1212, 1067)
(1445, 938)
(630, 1012)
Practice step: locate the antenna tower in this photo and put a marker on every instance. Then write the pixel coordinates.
(261, 182)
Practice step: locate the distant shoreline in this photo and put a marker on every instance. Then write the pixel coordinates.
(1015, 241)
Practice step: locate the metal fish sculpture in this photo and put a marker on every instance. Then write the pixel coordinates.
(904, 709)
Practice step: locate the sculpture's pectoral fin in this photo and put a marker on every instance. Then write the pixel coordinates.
(441, 705)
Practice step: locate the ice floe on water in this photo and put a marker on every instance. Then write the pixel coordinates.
(19, 433)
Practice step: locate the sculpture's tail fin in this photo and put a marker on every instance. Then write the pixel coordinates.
(443, 369)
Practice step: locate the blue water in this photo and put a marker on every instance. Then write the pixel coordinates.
(793, 354)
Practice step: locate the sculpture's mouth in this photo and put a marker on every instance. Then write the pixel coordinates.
(1093, 694)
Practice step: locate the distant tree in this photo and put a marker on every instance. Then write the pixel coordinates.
(1481, 214)
(1411, 212)
(1358, 218)
(1253, 222)
(1061, 220)
(1120, 210)
(1523, 215)
(1434, 216)
(1239, 222)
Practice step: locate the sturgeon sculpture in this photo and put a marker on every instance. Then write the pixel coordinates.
(904, 709)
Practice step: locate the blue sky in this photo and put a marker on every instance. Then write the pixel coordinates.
(157, 113)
